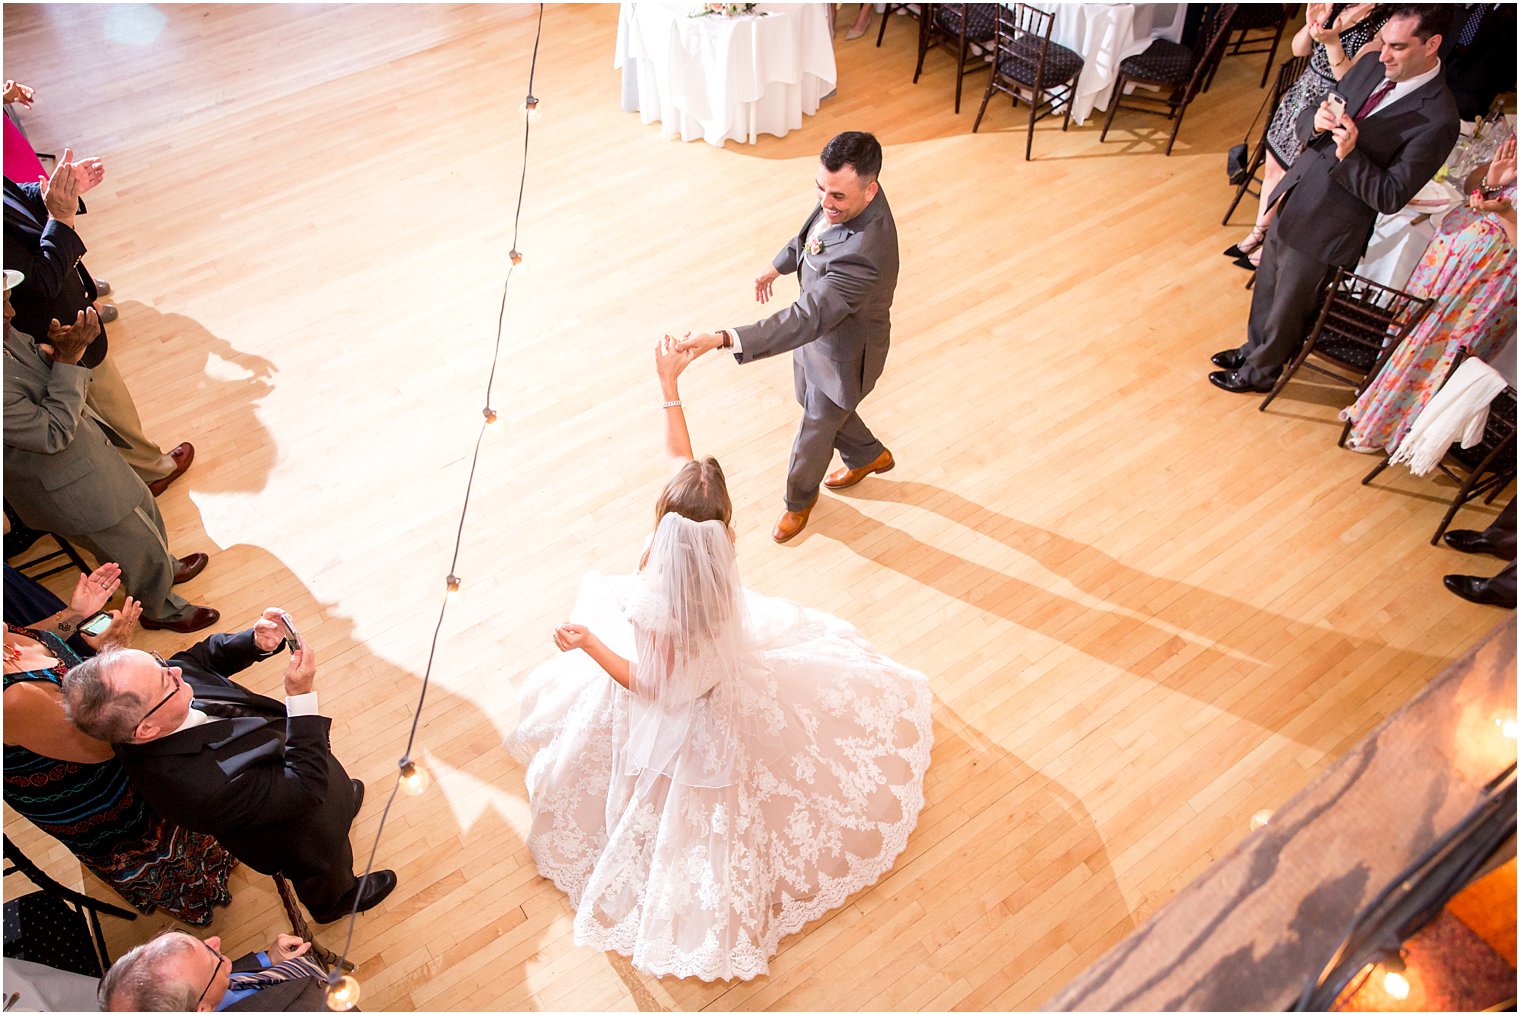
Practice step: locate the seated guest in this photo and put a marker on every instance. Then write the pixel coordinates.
(1499, 540)
(63, 474)
(72, 787)
(40, 242)
(1397, 128)
(212, 755)
(1469, 273)
(176, 972)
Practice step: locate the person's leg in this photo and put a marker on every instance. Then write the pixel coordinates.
(862, 20)
(139, 545)
(109, 397)
(813, 449)
(1272, 173)
(857, 446)
(1501, 534)
(1282, 305)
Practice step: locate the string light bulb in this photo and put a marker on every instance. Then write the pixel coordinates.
(414, 779)
(530, 109)
(452, 584)
(342, 993)
(1508, 727)
(515, 256)
(1260, 818)
(1396, 985)
(490, 415)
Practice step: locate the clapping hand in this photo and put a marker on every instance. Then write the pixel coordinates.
(123, 626)
(89, 172)
(67, 344)
(94, 590)
(1501, 170)
(18, 93)
(60, 192)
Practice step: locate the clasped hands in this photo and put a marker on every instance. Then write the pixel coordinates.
(70, 179)
(706, 341)
(269, 635)
(1340, 126)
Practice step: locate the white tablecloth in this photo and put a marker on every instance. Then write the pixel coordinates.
(721, 79)
(1105, 34)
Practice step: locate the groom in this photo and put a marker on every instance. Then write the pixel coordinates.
(837, 331)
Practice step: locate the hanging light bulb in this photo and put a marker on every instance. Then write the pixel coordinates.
(1260, 818)
(414, 778)
(452, 583)
(1396, 985)
(1508, 727)
(342, 993)
(490, 415)
(529, 109)
(517, 259)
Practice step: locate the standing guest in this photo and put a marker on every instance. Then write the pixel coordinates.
(63, 473)
(1479, 56)
(1469, 273)
(72, 787)
(1499, 540)
(21, 162)
(839, 329)
(1334, 37)
(40, 242)
(1398, 126)
(257, 774)
(176, 972)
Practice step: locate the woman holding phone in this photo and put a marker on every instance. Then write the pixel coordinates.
(1334, 38)
(72, 787)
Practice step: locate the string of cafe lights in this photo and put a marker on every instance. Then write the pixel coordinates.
(411, 778)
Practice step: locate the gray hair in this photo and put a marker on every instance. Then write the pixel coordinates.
(138, 981)
(96, 709)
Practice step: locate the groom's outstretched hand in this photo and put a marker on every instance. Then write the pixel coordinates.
(763, 284)
(699, 343)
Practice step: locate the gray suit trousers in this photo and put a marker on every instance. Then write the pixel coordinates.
(138, 543)
(1283, 302)
(825, 427)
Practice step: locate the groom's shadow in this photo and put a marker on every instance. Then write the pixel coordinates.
(996, 837)
(1178, 635)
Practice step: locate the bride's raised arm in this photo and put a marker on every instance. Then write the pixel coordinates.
(669, 361)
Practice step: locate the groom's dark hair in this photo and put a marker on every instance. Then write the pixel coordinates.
(856, 149)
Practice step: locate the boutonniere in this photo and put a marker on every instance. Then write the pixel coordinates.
(814, 245)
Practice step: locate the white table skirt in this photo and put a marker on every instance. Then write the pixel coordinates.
(722, 79)
(1106, 34)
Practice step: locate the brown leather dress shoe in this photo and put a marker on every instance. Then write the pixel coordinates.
(791, 522)
(183, 455)
(197, 619)
(186, 568)
(843, 479)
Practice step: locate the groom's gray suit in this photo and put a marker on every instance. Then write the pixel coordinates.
(838, 332)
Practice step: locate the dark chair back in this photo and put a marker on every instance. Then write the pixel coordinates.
(1287, 74)
(56, 926)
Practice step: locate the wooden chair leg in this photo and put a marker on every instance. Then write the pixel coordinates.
(1034, 110)
(1272, 53)
(1176, 126)
(1376, 471)
(1070, 92)
(301, 929)
(1113, 107)
(985, 97)
(1288, 371)
(881, 33)
(960, 64)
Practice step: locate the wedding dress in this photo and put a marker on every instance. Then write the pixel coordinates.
(764, 764)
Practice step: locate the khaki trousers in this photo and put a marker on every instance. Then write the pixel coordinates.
(112, 402)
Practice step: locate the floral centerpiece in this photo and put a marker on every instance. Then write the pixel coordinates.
(723, 10)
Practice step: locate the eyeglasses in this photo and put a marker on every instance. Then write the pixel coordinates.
(219, 958)
(177, 684)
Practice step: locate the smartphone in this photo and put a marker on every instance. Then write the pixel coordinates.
(292, 638)
(96, 625)
(1337, 103)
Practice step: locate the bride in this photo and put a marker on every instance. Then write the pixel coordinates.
(709, 769)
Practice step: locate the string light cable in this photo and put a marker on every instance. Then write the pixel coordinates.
(342, 989)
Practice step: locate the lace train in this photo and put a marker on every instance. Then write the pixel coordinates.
(702, 881)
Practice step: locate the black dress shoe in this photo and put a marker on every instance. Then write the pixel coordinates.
(1472, 541)
(1228, 359)
(1478, 590)
(369, 891)
(1230, 380)
(358, 794)
(195, 620)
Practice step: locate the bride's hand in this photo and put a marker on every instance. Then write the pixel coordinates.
(670, 358)
(572, 636)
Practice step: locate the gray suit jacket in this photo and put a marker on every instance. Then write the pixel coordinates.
(1326, 207)
(62, 472)
(841, 324)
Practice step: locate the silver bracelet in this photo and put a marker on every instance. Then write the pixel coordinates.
(675, 404)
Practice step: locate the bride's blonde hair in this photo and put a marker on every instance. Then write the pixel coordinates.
(698, 492)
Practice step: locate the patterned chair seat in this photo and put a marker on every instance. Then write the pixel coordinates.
(981, 20)
(1021, 59)
(1163, 61)
(1348, 351)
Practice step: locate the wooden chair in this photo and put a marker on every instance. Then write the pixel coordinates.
(1026, 62)
(56, 926)
(1268, 22)
(955, 27)
(1287, 74)
(1483, 470)
(1359, 322)
(1175, 68)
(886, 15)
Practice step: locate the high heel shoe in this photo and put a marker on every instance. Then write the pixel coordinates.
(1248, 244)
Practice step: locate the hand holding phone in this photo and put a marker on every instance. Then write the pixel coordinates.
(292, 636)
(1337, 103)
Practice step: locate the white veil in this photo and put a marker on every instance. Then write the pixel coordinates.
(691, 647)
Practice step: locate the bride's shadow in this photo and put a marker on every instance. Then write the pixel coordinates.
(1179, 635)
(996, 837)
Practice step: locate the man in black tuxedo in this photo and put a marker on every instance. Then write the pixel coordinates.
(176, 972)
(214, 757)
(1398, 127)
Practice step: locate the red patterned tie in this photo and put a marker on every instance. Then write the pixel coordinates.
(1374, 100)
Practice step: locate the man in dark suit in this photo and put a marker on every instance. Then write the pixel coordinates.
(176, 972)
(1397, 128)
(839, 329)
(214, 757)
(63, 473)
(41, 242)
(1498, 540)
